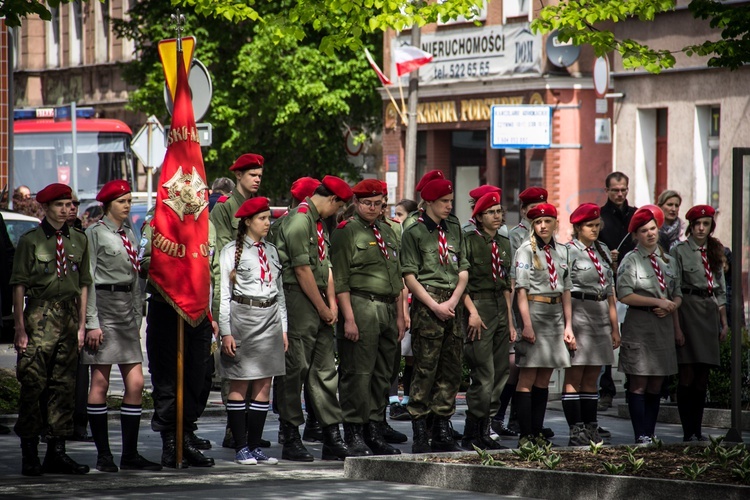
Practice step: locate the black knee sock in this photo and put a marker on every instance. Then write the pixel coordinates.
(523, 402)
(256, 421)
(99, 429)
(589, 400)
(539, 398)
(505, 398)
(699, 403)
(637, 407)
(685, 409)
(653, 401)
(571, 403)
(130, 423)
(408, 373)
(236, 422)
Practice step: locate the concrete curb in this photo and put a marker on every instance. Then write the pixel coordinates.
(712, 417)
(9, 419)
(413, 469)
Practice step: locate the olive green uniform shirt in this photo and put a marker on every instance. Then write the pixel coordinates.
(110, 265)
(297, 243)
(479, 255)
(690, 273)
(358, 261)
(34, 265)
(225, 223)
(419, 253)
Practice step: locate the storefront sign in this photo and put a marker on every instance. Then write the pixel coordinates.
(479, 54)
(521, 126)
(464, 110)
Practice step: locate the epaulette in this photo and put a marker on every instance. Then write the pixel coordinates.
(302, 209)
(222, 199)
(393, 220)
(79, 230)
(343, 224)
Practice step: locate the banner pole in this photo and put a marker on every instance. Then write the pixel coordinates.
(179, 400)
(398, 110)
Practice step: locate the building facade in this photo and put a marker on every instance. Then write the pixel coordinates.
(500, 62)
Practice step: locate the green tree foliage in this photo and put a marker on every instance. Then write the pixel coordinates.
(581, 21)
(280, 97)
(15, 10)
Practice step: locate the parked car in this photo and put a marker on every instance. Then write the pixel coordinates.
(17, 224)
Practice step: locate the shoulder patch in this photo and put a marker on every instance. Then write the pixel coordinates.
(222, 199)
(302, 209)
(343, 224)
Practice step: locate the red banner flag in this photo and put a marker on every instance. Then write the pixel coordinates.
(179, 248)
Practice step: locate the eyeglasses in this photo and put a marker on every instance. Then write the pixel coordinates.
(493, 213)
(371, 204)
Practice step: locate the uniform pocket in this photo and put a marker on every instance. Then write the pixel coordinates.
(45, 262)
(630, 346)
(237, 353)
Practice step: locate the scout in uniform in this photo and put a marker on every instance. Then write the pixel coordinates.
(369, 288)
(435, 269)
(595, 324)
(302, 243)
(50, 275)
(698, 267)
(161, 348)
(252, 324)
(413, 216)
(487, 309)
(646, 284)
(113, 325)
(543, 287)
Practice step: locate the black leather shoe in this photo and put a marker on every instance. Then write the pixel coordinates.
(137, 462)
(105, 463)
(194, 456)
(355, 441)
(334, 447)
(198, 442)
(56, 461)
(374, 440)
(484, 436)
(443, 435)
(548, 433)
(264, 443)
(420, 439)
(397, 411)
(501, 430)
(313, 433)
(228, 441)
(30, 465)
(80, 436)
(293, 449)
(391, 435)
(169, 451)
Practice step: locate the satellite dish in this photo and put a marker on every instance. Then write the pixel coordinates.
(561, 54)
(200, 90)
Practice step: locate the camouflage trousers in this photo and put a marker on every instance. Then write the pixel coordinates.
(50, 364)
(437, 347)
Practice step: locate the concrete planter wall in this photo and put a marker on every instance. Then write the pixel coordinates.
(712, 417)
(413, 469)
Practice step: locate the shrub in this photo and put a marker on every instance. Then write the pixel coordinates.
(720, 378)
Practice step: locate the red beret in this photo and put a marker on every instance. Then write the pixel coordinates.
(385, 188)
(368, 188)
(533, 194)
(247, 162)
(252, 206)
(54, 192)
(113, 190)
(542, 210)
(429, 176)
(584, 213)
(640, 218)
(486, 201)
(699, 211)
(304, 187)
(658, 214)
(436, 189)
(477, 193)
(339, 187)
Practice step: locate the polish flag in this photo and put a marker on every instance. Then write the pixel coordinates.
(409, 58)
(383, 79)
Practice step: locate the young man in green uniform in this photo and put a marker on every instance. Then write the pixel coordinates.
(50, 274)
(302, 243)
(487, 304)
(433, 261)
(370, 292)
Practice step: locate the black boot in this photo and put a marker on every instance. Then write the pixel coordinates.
(420, 441)
(471, 434)
(193, 455)
(442, 435)
(30, 465)
(376, 442)
(169, 451)
(313, 433)
(198, 442)
(391, 435)
(293, 449)
(280, 438)
(56, 461)
(334, 447)
(484, 436)
(355, 441)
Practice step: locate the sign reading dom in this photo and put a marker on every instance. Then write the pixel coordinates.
(521, 127)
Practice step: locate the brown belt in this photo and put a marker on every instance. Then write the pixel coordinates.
(248, 301)
(374, 298)
(544, 299)
(440, 292)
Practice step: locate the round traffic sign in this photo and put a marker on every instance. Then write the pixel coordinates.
(201, 90)
(601, 76)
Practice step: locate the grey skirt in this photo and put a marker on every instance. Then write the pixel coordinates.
(699, 318)
(593, 333)
(122, 334)
(549, 349)
(647, 346)
(259, 338)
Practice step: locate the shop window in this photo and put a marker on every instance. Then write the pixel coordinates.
(53, 39)
(76, 33)
(103, 29)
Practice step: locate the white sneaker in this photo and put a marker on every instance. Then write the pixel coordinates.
(643, 440)
(245, 457)
(262, 458)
